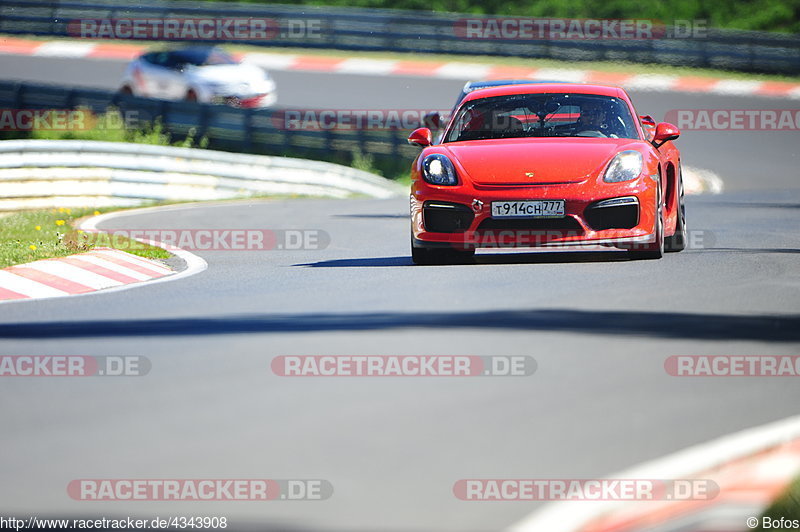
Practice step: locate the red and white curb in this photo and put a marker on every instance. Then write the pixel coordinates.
(701, 181)
(751, 467)
(746, 488)
(443, 70)
(105, 269)
(77, 274)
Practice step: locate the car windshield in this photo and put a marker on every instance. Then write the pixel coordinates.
(203, 57)
(542, 115)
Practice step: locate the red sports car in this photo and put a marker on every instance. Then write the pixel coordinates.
(546, 165)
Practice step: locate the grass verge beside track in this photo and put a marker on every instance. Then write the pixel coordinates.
(44, 234)
(29, 236)
(787, 506)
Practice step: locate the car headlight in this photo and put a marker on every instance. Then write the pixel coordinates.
(625, 166)
(439, 170)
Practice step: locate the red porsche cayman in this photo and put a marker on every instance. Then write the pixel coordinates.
(546, 165)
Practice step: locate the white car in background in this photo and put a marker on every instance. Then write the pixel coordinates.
(208, 75)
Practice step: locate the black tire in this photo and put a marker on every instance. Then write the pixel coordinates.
(677, 242)
(126, 90)
(654, 250)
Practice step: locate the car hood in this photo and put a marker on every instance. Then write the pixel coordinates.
(535, 160)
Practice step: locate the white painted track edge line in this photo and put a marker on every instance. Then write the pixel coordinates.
(194, 263)
(569, 516)
(28, 287)
(114, 267)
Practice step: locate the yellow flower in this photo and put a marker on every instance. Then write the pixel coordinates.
(80, 231)
(61, 209)
(38, 227)
(68, 211)
(60, 222)
(32, 247)
(96, 213)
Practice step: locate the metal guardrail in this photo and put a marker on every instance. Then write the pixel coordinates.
(258, 131)
(419, 32)
(46, 173)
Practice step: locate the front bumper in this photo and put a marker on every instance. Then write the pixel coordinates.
(596, 213)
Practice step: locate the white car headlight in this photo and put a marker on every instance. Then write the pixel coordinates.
(625, 166)
(439, 170)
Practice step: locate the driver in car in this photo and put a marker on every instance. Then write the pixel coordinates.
(597, 117)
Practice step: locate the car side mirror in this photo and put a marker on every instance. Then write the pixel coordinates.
(664, 133)
(421, 137)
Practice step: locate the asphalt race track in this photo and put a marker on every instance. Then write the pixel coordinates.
(599, 327)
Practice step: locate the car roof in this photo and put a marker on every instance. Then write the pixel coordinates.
(543, 88)
(475, 85)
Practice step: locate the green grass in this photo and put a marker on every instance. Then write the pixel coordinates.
(43, 234)
(786, 506)
(404, 180)
(29, 236)
(769, 15)
(109, 127)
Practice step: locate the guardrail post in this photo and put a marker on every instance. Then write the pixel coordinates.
(18, 95)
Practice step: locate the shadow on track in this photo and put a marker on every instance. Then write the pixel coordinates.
(371, 216)
(483, 258)
(767, 328)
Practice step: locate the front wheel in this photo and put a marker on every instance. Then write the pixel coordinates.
(677, 242)
(655, 249)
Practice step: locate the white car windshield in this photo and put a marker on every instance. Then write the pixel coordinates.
(203, 57)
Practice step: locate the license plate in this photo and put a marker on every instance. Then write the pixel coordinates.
(528, 209)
